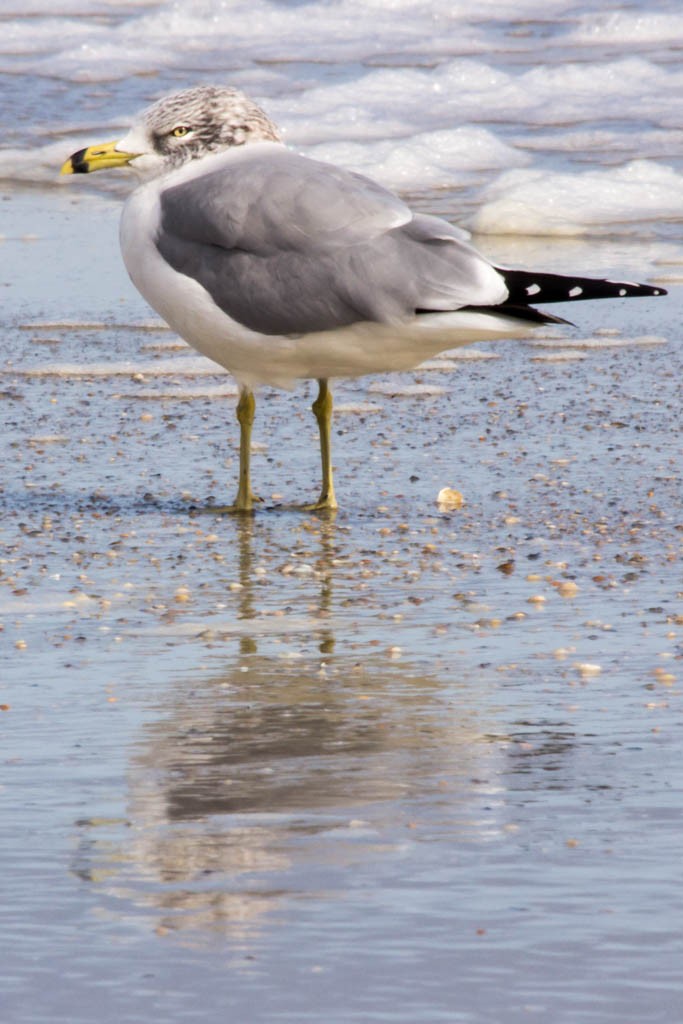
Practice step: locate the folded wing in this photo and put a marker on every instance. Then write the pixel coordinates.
(288, 245)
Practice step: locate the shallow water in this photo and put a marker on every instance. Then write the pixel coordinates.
(402, 764)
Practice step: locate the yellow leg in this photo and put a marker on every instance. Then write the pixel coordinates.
(322, 409)
(245, 416)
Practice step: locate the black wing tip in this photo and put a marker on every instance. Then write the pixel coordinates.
(627, 289)
(525, 286)
(519, 312)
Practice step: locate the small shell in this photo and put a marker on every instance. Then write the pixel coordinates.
(449, 499)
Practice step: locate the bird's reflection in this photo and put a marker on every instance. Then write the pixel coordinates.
(272, 777)
(264, 775)
(324, 530)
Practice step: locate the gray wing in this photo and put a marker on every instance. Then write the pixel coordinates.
(288, 245)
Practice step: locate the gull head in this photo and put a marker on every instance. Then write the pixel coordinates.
(179, 128)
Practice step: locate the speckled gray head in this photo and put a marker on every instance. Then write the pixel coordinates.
(180, 128)
(205, 119)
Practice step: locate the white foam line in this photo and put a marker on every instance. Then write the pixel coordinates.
(406, 390)
(182, 394)
(196, 366)
(598, 343)
(356, 408)
(242, 627)
(466, 354)
(92, 325)
(566, 356)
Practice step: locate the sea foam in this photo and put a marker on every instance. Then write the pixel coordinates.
(539, 118)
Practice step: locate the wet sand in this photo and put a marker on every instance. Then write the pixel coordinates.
(397, 764)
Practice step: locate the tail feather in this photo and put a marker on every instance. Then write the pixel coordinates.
(525, 287)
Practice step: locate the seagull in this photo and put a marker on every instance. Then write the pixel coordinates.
(279, 267)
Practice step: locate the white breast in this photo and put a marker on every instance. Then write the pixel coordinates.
(181, 301)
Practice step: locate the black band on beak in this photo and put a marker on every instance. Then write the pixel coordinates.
(78, 164)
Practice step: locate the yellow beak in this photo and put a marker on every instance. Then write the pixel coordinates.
(97, 158)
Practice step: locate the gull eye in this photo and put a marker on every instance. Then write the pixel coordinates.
(180, 131)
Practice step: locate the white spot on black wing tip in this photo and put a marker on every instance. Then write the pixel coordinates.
(623, 291)
(575, 291)
(533, 289)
